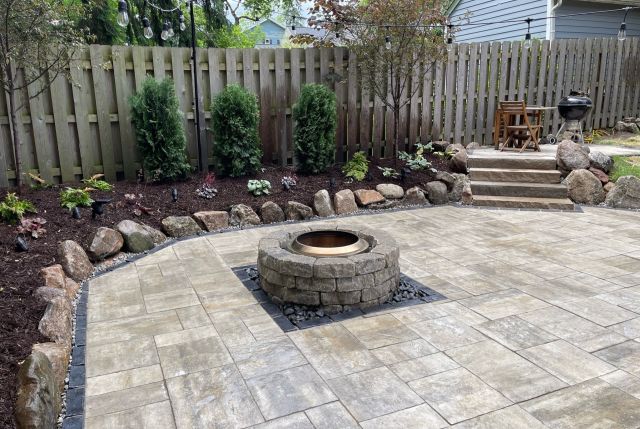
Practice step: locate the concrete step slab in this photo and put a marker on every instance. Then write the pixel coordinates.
(511, 161)
(514, 175)
(519, 189)
(523, 202)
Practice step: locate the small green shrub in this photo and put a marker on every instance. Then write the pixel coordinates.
(71, 198)
(95, 182)
(389, 172)
(159, 131)
(314, 131)
(357, 167)
(234, 117)
(417, 161)
(12, 209)
(259, 187)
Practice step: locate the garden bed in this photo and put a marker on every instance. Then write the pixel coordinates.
(19, 271)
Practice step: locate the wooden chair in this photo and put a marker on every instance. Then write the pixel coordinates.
(517, 127)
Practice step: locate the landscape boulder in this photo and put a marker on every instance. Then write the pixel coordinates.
(472, 146)
(390, 191)
(440, 145)
(365, 197)
(58, 356)
(415, 196)
(601, 161)
(297, 211)
(458, 161)
(609, 186)
(455, 193)
(626, 193)
(570, 156)
(467, 195)
(47, 294)
(137, 238)
(105, 242)
(446, 178)
(437, 192)
(74, 260)
(271, 212)
(322, 203)
(242, 215)
(38, 399)
(180, 226)
(212, 220)
(628, 127)
(584, 188)
(56, 322)
(345, 202)
(53, 276)
(601, 175)
(71, 287)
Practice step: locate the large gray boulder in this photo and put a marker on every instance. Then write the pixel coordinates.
(415, 197)
(584, 188)
(38, 399)
(212, 220)
(271, 212)
(297, 211)
(437, 192)
(56, 322)
(601, 161)
(458, 161)
(105, 242)
(446, 178)
(570, 156)
(180, 226)
(366, 197)
(626, 193)
(390, 191)
(322, 203)
(137, 238)
(243, 215)
(74, 260)
(58, 355)
(345, 202)
(456, 191)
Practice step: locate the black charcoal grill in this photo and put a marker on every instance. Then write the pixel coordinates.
(573, 109)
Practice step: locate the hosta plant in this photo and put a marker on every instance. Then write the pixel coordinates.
(417, 160)
(389, 172)
(259, 187)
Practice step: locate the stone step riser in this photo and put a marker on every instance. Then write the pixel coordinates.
(528, 176)
(510, 189)
(521, 163)
(523, 203)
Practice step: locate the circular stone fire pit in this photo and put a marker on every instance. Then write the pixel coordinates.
(337, 269)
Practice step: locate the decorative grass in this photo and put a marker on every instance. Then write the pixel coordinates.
(625, 166)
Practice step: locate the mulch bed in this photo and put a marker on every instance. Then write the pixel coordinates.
(20, 312)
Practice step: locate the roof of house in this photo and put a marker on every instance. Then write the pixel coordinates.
(265, 20)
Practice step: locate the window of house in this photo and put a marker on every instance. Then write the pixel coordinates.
(267, 41)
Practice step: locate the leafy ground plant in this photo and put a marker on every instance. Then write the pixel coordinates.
(71, 198)
(12, 209)
(357, 167)
(96, 182)
(32, 226)
(625, 166)
(389, 172)
(289, 182)
(259, 187)
(417, 161)
(206, 189)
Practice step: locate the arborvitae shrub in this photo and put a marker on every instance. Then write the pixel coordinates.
(314, 131)
(159, 131)
(234, 116)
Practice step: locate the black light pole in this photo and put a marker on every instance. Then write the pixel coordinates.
(201, 162)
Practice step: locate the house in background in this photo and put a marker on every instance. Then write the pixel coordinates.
(274, 33)
(588, 25)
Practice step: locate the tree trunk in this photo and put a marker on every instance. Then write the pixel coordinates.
(17, 143)
(396, 131)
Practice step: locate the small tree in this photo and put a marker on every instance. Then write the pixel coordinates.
(159, 132)
(37, 42)
(314, 131)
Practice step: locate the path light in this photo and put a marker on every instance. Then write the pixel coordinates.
(123, 15)
(97, 207)
(148, 32)
(21, 244)
(75, 213)
(174, 195)
(332, 183)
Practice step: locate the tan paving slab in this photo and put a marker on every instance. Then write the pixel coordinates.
(628, 298)
(514, 377)
(567, 362)
(123, 380)
(332, 415)
(625, 356)
(504, 303)
(593, 403)
(184, 297)
(403, 351)
(121, 400)
(476, 284)
(373, 393)
(115, 357)
(152, 416)
(379, 331)
(212, 398)
(129, 328)
(598, 311)
(515, 333)
(512, 417)
(624, 381)
(115, 305)
(157, 283)
(421, 416)
(447, 332)
(458, 395)
(419, 313)
(191, 351)
(423, 366)
(630, 328)
(293, 421)
(289, 391)
(460, 312)
(193, 316)
(266, 357)
(333, 351)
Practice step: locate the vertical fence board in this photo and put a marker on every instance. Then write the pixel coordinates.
(247, 70)
(514, 58)
(414, 113)
(102, 110)
(266, 92)
(352, 106)
(461, 91)
(158, 62)
(39, 130)
(310, 65)
(339, 88)
(608, 82)
(436, 129)
(80, 92)
(471, 93)
(493, 86)
(177, 68)
(449, 89)
(231, 62)
(295, 67)
(559, 81)
(124, 114)
(139, 66)
(482, 94)
(635, 72)
(378, 126)
(533, 73)
(281, 101)
(66, 150)
(365, 117)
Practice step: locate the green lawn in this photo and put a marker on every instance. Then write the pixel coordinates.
(627, 141)
(625, 166)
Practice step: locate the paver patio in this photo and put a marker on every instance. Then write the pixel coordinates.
(541, 329)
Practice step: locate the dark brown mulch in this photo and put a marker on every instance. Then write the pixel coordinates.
(20, 313)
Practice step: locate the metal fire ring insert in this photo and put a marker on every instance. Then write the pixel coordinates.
(329, 243)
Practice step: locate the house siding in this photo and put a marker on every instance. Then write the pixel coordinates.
(483, 10)
(599, 25)
(272, 32)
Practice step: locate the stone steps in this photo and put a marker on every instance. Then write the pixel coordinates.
(511, 161)
(523, 202)
(519, 189)
(514, 175)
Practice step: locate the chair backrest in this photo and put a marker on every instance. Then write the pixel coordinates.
(513, 107)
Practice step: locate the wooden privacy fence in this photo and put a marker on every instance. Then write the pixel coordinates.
(81, 127)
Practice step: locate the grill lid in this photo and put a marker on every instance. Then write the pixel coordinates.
(576, 99)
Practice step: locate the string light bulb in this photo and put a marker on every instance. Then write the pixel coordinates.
(622, 33)
(165, 31)
(527, 37)
(183, 26)
(148, 32)
(293, 23)
(123, 15)
(170, 31)
(387, 42)
(450, 37)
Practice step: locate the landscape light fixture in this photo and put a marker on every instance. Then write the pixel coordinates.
(21, 244)
(527, 37)
(174, 195)
(622, 33)
(148, 32)
(123, 15)
(97, 207)
(75, 213)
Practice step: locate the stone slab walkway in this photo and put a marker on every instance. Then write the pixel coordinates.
(549, 151)
(541, 329)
